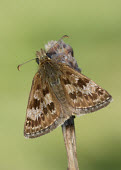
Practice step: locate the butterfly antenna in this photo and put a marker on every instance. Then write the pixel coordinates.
(64, 36)
(18, 67)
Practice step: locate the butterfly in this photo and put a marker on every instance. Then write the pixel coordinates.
(59, 90)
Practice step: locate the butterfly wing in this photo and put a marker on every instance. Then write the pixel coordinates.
(82, 94)
(43, 110)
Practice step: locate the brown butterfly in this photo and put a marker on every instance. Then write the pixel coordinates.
(59, 91)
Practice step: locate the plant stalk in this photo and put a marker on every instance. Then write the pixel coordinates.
(68, 129)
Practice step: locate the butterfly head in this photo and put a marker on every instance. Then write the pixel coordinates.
(41, 56)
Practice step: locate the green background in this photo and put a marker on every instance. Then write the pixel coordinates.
(94, 28)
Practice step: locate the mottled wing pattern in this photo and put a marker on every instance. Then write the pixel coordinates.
(43, 110)
(82, 94)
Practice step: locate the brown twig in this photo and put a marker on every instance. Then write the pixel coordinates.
(68, 130)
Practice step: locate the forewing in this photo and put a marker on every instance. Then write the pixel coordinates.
(43, 110)
(82, 94)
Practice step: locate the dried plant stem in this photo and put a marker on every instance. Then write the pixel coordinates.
(68, 130)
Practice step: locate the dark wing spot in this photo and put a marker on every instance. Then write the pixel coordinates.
(32, 123)
(36, 103)
(86, 80)
(79, 94)
(39, 119)
(68, 72)
(45, 91)
(106, 96)
(36, 123)
(41, 100)
(28, 122)
(100, 92)
(94, 96)
(30, 105)
(81, 83)
(66, 81)
(102, 98)
(75, 84)
(38, 86)
(72, 95)
(38, 75)
(97, 89)
(51, 106)
(45, 110)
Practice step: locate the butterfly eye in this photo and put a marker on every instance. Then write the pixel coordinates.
(37, 60)
(49, 55)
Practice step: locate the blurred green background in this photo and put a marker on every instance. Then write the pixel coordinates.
(94, 28)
